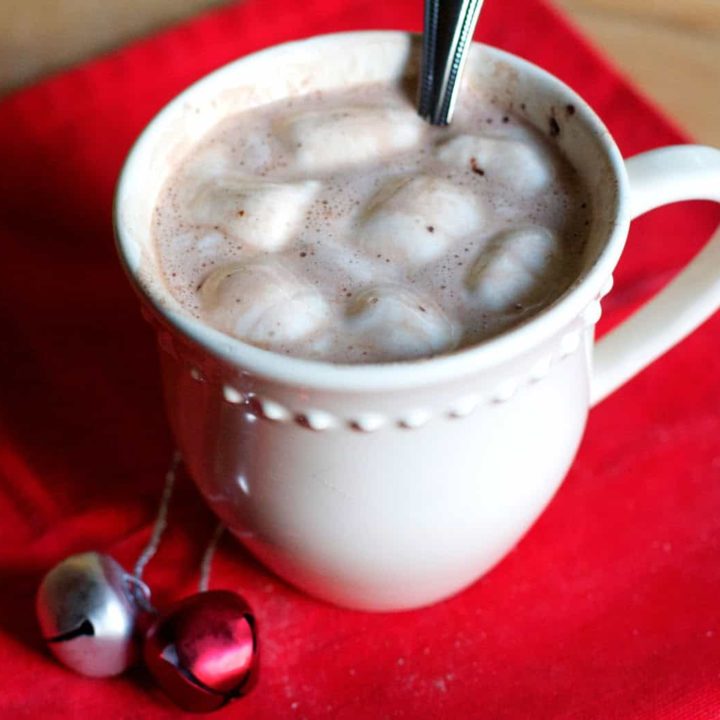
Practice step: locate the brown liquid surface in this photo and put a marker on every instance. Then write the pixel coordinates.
(341, 227)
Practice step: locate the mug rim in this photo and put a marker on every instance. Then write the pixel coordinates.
(400, 374)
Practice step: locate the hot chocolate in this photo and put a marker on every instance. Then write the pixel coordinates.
(342, 227)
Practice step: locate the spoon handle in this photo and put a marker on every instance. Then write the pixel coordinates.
(449, 26)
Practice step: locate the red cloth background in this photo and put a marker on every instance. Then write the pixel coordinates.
(607, 609)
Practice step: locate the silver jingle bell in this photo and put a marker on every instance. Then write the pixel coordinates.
(87, 615)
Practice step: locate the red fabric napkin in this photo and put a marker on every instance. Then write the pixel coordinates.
(607, 609)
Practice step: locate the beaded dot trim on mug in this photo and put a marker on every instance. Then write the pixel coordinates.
(319, 420)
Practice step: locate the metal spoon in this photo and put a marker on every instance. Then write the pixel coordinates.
(449, 26)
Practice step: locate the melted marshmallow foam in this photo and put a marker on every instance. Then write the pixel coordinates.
(341, 227)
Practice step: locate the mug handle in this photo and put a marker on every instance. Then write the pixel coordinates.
(660, 177)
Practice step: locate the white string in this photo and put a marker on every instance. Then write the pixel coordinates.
(139, 589)
(160, 520)
(206, 564)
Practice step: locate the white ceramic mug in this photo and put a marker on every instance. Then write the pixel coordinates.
(391, 486)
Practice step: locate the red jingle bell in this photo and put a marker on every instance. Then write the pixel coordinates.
(203, 652)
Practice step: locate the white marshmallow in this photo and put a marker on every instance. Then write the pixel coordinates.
(325, 141)
(520, 165)
(262, 215)
(193, 250)
(396, 322)
(262, 302)
(515, 268)
(414, 220)
(209, 162)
